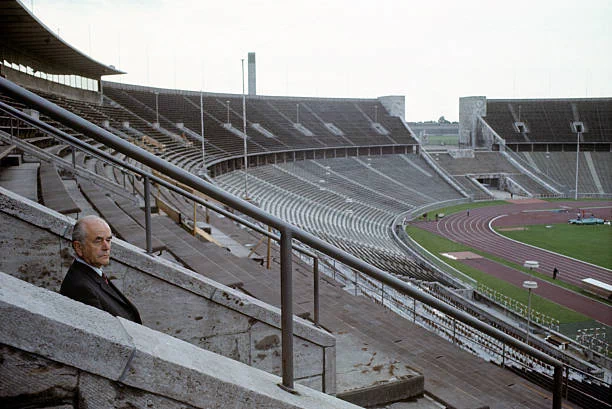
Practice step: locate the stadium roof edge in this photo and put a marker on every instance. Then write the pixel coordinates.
(26, 40)
(134, 87)
(547, 99)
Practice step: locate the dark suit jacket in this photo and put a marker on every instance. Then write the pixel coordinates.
(83, 284)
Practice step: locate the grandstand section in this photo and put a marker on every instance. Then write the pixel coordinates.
(278, 116)
(480, 173)
(595, 171)
(350, 202)
(548, 121)
(541, 135)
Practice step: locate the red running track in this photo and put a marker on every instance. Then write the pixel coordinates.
(474, 231)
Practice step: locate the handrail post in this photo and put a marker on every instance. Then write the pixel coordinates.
(558, 387)
(73, 151)
(268, 250)
(566, 381)
(286, 308)
(195, 217)
(147, 198)
(315, 268)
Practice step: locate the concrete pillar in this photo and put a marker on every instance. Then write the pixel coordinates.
(470, 108)
(252, 75)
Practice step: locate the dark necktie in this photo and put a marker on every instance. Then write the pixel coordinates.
(105, 278)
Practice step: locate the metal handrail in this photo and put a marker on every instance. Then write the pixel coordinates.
(287, 233)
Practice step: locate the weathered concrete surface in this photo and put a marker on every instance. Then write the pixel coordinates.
(386, 392)
(102, 353)
(97, 392)
(191, 374)
(29, 379)
(359, 367)
(45, 323)
(21, 179)
(171, 299)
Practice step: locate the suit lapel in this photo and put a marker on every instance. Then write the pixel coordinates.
(113, 292)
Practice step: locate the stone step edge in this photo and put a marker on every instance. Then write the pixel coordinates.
(406, 387)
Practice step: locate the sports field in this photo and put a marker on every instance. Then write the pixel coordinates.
(592, 244)
(437, 245)
(588, 243)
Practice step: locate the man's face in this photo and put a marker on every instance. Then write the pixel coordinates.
(95, 250)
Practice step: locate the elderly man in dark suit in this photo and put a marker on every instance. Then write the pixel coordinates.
(85, 280)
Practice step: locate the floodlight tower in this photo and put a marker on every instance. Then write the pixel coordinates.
(578, 128)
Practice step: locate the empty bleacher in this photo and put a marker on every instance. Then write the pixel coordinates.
(350, 202)
(594, 170)
(550, 120)
(275, 114)
(486, 165)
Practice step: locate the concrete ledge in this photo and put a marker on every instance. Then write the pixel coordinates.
(387, 392)
(45, 323)
(42, 322)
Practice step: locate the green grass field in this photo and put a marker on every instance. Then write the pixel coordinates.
(462, 207)
(592, 244)
(447, 140)
(437, 245)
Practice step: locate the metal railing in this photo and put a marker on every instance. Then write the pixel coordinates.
(579, 386)
(518, 307)
(288, 233)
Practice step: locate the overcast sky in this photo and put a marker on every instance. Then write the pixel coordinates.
(430, 51)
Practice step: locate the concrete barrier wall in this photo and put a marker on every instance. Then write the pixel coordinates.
(34, 242)
(57, 352)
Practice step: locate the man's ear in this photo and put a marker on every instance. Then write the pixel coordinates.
(77, 248)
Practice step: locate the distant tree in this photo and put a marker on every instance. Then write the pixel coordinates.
(443, 120)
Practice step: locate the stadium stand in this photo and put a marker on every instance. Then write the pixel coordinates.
(350, 202)
(594, 170)
(550, 120)
(275, 114)
(541, 135)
